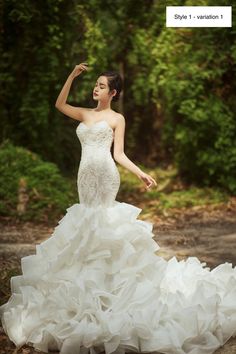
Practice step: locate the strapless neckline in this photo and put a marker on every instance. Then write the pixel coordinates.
(94, 124)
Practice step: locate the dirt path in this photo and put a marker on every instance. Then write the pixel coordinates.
(208, 234)
(213, 243)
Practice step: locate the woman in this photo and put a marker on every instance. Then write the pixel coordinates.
(107, 89)
(97, 283)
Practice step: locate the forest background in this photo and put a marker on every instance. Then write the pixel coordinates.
(178, 99)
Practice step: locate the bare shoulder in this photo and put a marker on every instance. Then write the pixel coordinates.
(119, 119)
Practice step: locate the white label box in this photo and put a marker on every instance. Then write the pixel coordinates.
(198, 16)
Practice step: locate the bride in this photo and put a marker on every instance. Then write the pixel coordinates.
(97, 283)
(107, 88)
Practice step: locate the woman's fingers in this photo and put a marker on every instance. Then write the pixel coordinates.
(148, 180)
(79, 68)
(82, 66)
(151, 181)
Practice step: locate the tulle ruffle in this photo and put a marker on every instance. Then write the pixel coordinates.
(97, 284)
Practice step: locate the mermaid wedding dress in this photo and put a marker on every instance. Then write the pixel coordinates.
(98, 285)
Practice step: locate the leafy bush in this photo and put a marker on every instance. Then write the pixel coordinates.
(47, 193)
(199, 127)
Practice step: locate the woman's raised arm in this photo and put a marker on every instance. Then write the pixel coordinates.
(61, 105)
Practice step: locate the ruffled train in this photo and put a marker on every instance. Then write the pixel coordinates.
(97, 285)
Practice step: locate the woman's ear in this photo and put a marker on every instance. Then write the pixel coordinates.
(114, 92)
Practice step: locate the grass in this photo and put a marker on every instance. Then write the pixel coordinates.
(169, 193)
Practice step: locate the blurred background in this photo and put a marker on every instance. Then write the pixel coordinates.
(180, 110)
(178, 99)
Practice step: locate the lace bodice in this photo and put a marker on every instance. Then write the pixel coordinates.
(97, 285)
(98, 177)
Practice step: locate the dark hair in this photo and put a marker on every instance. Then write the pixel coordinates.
(114, 82)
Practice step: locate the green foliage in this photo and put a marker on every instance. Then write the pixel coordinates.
(191, 197)
(190, 85)
(169, 192)
(178, 95)
(47, 191)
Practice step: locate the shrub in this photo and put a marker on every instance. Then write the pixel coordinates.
(28, 180)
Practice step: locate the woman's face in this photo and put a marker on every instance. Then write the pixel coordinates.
(101, 89)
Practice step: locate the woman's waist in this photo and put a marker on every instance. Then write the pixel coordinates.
(96, 153)
(97, 159)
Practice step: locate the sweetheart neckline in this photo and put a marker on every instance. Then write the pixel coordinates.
(103, 120)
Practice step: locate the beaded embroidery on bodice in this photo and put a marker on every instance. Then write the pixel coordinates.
(98, 178)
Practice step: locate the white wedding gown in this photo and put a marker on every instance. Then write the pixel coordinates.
(96, 284)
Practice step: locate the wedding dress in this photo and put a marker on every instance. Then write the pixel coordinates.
(98, 285)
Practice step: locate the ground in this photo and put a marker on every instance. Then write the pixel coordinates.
(208, 233)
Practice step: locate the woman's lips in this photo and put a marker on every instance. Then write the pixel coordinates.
(95, 94)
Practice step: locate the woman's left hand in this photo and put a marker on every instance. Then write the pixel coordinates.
(147, 179)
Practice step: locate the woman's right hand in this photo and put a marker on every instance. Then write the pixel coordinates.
(78, 69)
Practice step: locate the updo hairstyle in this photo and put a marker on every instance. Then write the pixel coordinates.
(114, 82)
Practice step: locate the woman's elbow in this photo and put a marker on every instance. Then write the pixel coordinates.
(118, 156)
(58, 105)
